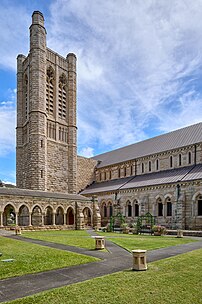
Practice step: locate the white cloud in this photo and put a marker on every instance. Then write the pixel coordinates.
(14, 24)
(139, 64)
(86, 152)
(135, 60)
(7, 124)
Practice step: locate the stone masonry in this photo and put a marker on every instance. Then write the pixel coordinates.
(46, 116)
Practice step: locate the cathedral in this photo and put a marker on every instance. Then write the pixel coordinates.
(56, 188)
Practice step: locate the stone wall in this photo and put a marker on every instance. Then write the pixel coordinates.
(184, 208)
(46, 116)
(85, 172)
(134, 167)
(57, 167)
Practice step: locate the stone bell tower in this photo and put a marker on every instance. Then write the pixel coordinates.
(46, 116)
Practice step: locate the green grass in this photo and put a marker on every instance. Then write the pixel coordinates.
(173, 280)
(81, 238)
(31, 258)
(147, 242)
(78, 238)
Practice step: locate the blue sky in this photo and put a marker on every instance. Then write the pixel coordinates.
(139, 67)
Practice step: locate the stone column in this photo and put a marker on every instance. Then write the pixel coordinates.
(72, 128)
(80, 219)
(96, 213)
(30, 218)
(1, 219)
(37, 115)
(179, 212)
(16, 218)
(65, 218)
(42, 219)
(19, 129)
(54, 213)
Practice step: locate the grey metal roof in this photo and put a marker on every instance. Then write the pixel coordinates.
(150, 179)
(180, 138)
(111, 185)
(43, 194)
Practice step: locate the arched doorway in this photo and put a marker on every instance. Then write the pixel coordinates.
(9, 216)
(87, 216)
(23, 218)
(48, 219)
(59, 217)
(70, 216)
(36, 216)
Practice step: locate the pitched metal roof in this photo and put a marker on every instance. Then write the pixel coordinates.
(180, 138)
(42, 194)
(158, 178)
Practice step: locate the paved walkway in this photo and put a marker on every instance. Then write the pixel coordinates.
(116, 259)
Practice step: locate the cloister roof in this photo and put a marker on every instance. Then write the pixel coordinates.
(173, 140)
(158, 178)
(42, 194)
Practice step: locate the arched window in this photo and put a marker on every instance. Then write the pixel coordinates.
(160, 207)
(110, 174)
(62, 97)
(199, 203)
(105, 175)
(169, 207)
(149, 166)
(129, 207)
(136, 209)
(50, 91)
(125, 171)
(189, 158)
(157, 164)
(119, 172)
(131, 170)
(110, 209)
(104, 210)
(142, 168)
(180, 159)
(100, 176)
(171, 161)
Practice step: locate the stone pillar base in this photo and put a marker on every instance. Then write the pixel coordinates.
(179, 233)
(17, 231)
(99, 242)
(139, 259)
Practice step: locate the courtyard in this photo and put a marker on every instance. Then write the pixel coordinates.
(68, 258)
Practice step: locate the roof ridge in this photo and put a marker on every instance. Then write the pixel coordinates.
(148, 139)
(176, 139)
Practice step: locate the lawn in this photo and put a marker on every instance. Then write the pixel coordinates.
(173, 280)
(31, 258)
(147, 242)
(82, 239)
(78, 238)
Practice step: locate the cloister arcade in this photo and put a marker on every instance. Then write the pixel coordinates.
(19, 208)
(37, 216)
